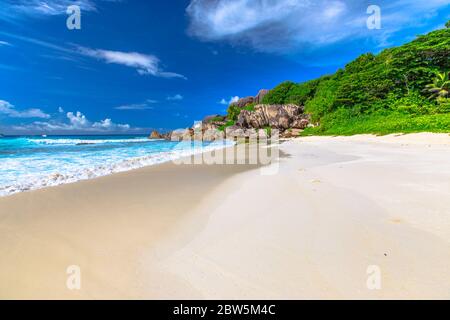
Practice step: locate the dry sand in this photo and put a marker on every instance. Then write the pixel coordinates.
(335, 206)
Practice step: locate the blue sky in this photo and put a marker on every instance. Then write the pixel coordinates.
(137, 65)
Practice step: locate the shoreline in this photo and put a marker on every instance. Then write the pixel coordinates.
(79, 224)
(125, 165)
(336, 206)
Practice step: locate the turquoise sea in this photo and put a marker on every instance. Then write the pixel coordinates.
(31, 162)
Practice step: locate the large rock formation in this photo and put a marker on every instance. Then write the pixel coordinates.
(260, 96)
(280, 117)
(289, 119)
(243, 102)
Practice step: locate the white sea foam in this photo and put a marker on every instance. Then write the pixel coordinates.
(84, 141)
(35, 172)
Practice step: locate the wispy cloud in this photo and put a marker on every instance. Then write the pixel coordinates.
(16, 11)
(46, 7)
(230, 101)
(137, 106)
(176, 97)
(287, 25)
(41, 43)
(179, 115)
(4, 43)
(9, 110)
(145, 64)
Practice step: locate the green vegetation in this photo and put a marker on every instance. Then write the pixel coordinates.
(216, 119)
(440, 86)
(250, 107)
(229, 123)
(233, 112)
(290, 92)
(403, 89)
(341, 123)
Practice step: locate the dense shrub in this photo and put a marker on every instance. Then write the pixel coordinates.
(278, 94)
(229, 123)
(394, 82)
(443, 106)
(250, 107)
(233, 112)
(290, 92)
(412, 103)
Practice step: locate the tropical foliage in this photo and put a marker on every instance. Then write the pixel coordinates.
(410, 82)
(440, 86)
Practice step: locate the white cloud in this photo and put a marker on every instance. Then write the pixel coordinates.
(145, 64)
(77, 122)
(107, 124)
(232, 99)
(4, 43)
(176, 97)
(137, 106)
(60, 110)
(286, 25)
(9, 110)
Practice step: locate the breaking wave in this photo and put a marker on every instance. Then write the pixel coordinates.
(88, 141)
(31, 171)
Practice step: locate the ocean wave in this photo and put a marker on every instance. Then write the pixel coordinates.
(86, 141)
(38, 181)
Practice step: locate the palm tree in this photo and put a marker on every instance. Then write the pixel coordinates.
(440, 87)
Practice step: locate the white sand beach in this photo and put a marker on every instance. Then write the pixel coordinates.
(335, 206)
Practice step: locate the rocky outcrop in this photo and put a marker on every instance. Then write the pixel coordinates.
(212, 118)
(288, 119)
(155, 135)
(210, 127)
(213, 122)
(242, 102)
(260, 96)
(291, 133)
(181, 135)
(280, 117)
(301, 122)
